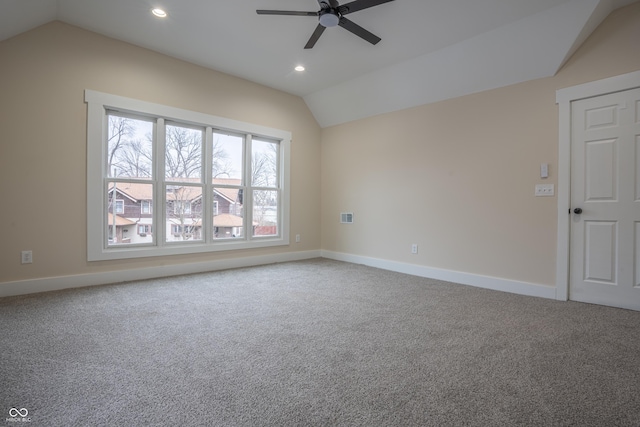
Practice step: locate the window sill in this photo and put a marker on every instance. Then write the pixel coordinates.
(142, 251)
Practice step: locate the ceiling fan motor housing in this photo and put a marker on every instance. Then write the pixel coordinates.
(329, 18)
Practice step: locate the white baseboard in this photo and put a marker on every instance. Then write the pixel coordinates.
(46, 284)
(486, 282)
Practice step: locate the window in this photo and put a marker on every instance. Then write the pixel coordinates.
(144, 229)
(119, 206)
(203, 183)
(145, 207)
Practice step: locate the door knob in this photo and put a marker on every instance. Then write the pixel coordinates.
(577, 211)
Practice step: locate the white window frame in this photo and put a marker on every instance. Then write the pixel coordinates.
(98, 104)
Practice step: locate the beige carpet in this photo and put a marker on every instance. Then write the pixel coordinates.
(314, 343)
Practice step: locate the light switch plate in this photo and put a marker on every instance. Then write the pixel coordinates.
(544, 170)
(545, 190)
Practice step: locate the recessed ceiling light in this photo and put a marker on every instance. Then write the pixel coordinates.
(299, 68)
(159, 12)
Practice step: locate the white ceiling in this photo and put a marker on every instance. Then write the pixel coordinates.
(430, 49)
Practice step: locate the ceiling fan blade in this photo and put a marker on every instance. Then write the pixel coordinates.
(358, 30)
(285, 12)
(357, 5)
(314, 37)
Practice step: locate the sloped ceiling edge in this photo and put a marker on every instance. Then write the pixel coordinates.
(531, 48)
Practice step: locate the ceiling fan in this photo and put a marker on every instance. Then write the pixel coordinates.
(331, 13)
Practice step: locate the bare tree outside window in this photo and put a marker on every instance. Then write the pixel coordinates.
(227, 176)
(264, 164)
(183, 153)
(130, 147)
(264, 178)
(183, 163)
(184, 212)
(129, 155)
(135, 161)
(120, 130)
(227, 156)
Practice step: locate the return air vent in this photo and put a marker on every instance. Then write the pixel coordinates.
(346, 217)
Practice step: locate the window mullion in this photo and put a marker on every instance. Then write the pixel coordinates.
(207, 191)
(160, 202)
(280, 185)
(248, 188)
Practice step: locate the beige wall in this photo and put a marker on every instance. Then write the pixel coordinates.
(43, 75)
(457, 177)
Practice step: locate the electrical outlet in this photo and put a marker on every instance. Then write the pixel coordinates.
(27, 257)
(297, 238)
(414, 248)
(543, 190)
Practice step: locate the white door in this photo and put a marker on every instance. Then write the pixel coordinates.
(605, 186)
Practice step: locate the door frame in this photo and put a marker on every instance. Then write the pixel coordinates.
(564, 98)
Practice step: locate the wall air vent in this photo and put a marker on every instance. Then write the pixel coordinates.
(346, 217)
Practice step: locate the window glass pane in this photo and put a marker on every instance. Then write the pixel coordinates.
(264, 163)
(183, 154)
(184, 213)
(228, 213)
(227, 157)
(265, 212)
(129, 147)
(124, 226)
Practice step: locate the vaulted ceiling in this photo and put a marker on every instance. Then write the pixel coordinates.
(430, 50)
